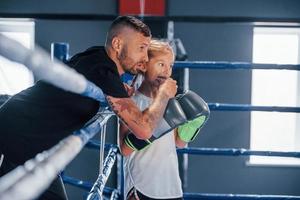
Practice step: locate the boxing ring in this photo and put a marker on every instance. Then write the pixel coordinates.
(40, 171)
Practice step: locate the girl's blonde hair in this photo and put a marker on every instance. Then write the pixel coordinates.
(159, 47)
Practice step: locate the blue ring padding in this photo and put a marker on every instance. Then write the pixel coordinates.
(208, 196)
(213, 151)
(95, 144)
(247, 107)
(232, 65)
(86, 185)
(94, 92)
(235, 152)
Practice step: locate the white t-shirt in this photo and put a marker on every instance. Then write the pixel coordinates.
(154, 170)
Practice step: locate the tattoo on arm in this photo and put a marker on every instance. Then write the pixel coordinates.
(120, 106)
(129, 114)
(159, 104)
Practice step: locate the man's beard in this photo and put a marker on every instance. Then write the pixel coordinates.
(123, 57)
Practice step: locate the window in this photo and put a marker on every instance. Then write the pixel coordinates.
(15, 77)
(275, 131)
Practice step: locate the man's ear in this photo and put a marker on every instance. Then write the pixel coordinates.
(116, 44)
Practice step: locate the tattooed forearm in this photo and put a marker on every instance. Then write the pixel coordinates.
(121, 106)
(141, 123)
(156, 110)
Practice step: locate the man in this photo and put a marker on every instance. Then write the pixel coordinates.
(38, 117)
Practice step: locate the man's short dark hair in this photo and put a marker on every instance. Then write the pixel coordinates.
(129, 22)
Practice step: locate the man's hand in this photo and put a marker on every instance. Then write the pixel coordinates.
(130, 90)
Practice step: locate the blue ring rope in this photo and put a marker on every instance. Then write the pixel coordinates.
(235, 152)
(86, 185)
(207, 196)
(248, 107)
(232, 65)
(217, 151)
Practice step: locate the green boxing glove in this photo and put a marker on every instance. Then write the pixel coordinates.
(188, 131)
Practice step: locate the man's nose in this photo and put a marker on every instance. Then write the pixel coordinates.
(146, 58)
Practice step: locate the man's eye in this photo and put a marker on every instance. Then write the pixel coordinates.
(161, 64)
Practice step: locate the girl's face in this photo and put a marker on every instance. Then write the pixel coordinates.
(159, 68)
